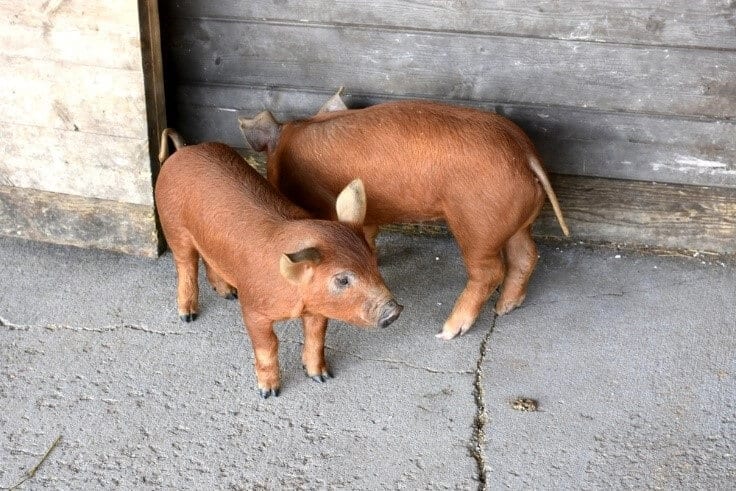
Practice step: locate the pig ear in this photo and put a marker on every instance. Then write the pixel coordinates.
(298, 267)
(262, 132)
(335, 103)
(351, 203)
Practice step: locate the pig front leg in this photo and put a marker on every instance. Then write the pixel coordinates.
(266, 352)
(313, 354)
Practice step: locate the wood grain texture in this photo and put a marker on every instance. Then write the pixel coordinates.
(78, 221)
(76, 163)
(708, 23)
(82, 32)
(571, 141)
(665, 81)
(153, 77)
(53, 94)
(644, 214)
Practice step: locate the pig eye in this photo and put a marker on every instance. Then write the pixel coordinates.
(342, 280)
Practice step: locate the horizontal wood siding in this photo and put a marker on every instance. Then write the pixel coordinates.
(647, 214)
(73, 117)
(438, 65)
(607, 90)
(78, 221)
(708, 23)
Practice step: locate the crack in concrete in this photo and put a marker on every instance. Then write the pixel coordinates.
(56, 327)
(478, 437)
(388, 360)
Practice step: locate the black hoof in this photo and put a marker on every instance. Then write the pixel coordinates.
(322, 377)
(232, 296)
(266, 393)
(188, 317)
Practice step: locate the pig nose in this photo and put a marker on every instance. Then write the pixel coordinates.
(389, 313)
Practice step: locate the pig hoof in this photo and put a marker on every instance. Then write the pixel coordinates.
(321, 377)
(446, 335)
(188, 317)
(232, 296)
(266, 393)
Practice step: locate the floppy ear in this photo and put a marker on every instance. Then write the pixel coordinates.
(298, 267)
(262, 132)
(351, 203)
(334, 103)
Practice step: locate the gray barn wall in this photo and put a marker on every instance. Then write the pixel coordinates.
(616, 94)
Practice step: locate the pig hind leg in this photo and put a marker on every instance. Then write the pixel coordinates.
(222, 287)
(521, 258)
(485, 273)
(186, 259)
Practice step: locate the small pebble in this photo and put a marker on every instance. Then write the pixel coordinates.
(524, 404)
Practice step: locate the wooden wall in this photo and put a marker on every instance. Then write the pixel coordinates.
(74, 134)
(618, 95)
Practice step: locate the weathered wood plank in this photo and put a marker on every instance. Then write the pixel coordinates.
(708, 23)
(78, 221)
(571, 141)
(673, 81)
(153, 77)
(76, 163)
(644, 214)
(52, 94)
(85, 32)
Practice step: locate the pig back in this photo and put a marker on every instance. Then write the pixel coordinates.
(415, 157)
(211, 177)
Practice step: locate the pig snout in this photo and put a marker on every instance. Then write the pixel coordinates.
(389, 313)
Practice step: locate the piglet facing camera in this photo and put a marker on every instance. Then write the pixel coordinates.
(269, 253)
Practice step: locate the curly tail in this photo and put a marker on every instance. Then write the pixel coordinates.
(176, 139)
(536, 167)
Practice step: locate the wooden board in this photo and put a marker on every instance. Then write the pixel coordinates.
(572, 141)
(708, 23)
(666, 81)
(644, 214)
(59, 95)
(76, 163)
(82, 32)
(78, 221)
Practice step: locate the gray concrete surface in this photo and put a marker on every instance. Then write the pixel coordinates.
(632, 360)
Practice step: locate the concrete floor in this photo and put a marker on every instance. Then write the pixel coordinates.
(631, 360)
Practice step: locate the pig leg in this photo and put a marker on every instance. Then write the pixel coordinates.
(186, 260)
(266, 352)
(521, 258)
(313, 354)
(485, 273)
(221, 286)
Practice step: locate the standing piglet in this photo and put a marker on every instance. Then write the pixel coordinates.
(422, 160)
(257, 245)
